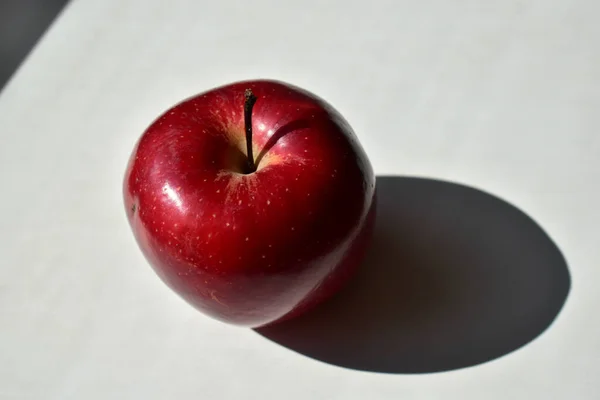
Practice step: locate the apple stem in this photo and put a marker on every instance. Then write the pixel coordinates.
(249, 101)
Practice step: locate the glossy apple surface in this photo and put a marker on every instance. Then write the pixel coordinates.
(251, 248)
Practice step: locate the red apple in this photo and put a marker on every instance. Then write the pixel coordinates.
(251, 240)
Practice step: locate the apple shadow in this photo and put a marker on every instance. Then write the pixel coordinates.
(454, 277)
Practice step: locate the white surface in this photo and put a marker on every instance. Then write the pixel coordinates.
(499, 95)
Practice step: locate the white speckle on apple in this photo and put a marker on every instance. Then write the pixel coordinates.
(176, 225)
(214, 215)
(305, 137)
(240, 202)
(218, 190)
(268, 202)
(197, 237)
(247, 238)
(270, 245)
(210, 256)
(287, 190)
(169, 242)
(205, 179)
(227, 224)
(306, 151)
(263, 256)
(297, 109)
(180, 251)
(210, 235)
(293, 228)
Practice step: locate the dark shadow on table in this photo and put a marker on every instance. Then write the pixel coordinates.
(22, 23)
(454, 277)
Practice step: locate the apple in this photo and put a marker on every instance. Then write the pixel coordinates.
(253, 201)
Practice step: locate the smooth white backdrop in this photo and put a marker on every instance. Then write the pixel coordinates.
(498, 95)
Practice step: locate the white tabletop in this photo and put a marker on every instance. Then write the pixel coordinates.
(501, 96)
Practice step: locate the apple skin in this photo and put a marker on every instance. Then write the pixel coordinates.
(251, 249)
